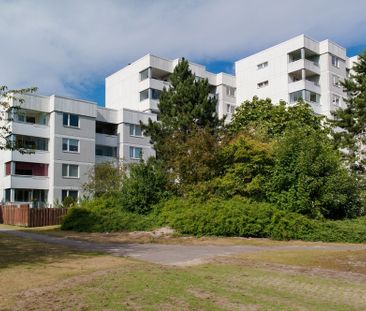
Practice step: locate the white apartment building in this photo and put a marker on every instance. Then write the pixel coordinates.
(298, 68)
(69, 136)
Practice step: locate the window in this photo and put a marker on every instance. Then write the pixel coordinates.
(155, 94)
(336, 100)
(135, 153)
(71, 120)
(29, 116)
(296, 97)
(144, 95)
(7, 195)
(22, 195)
(144, 74)
(70, 170)
(335, 80)
(135, 130)
(262, 84)
(230, 108)
(29, 142)
(312, 97)
(335, 61)
(262, 65)
(70, 145)
(230, 91)
(70, 193)
(105, 151)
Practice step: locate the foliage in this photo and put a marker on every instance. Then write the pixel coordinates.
(244, 165)
(352, 119)
(10, 99)
(146, 184)
(272, 120)
(105, 179)
(103, 214)
(68, 201)
(242, 217)
(186, 135)
(310, 179)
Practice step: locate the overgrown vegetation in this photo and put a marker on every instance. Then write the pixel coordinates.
(274, 171)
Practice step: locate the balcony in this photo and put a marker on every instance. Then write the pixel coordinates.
(303, 64)
(304, 85)
(30, 129)
(106, 140)
(26, 182)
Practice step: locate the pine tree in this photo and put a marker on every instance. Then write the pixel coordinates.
(352, 119)
(185, 111)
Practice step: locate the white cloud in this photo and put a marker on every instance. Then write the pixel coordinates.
(65, 47)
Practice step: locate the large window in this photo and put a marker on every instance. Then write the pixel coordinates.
(69, 193)
(296, 96)
(312, 97)
(71, 120)
(105, 151)
(230, 91)
(70, 170)
(155, 94)
(135, 152)
(144, 74)
(335, 61)
(30, 116)
(135, 130)
(70, 145)
(29, 142)
(26, 168)
(150, 93)
(144, 95)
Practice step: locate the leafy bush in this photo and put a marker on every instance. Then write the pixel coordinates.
(104, 214)
(242, 217)
(145, 186)
(309, 178)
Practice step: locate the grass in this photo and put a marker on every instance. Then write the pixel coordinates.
(40, 276)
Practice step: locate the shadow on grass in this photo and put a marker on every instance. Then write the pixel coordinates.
(18, 251)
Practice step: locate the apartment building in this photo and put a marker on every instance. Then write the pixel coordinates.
(300, 68)
(138, 85)
(69, 136)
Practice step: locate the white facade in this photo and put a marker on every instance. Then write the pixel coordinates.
(137, 86)
(70, 136)
(298, 68)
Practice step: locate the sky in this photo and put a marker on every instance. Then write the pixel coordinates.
(68, 47)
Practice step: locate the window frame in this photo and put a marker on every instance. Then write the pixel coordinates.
(262, 84)
(68, 120)
(68, 145)
(68, 171)
(132, 153)
(132, 130)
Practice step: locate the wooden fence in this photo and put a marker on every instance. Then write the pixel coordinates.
(25, 216)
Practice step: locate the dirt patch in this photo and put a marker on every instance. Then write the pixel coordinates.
(221, 301)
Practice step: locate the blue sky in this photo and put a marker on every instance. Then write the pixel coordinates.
(68, 47)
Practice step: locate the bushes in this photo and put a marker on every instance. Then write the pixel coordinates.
(241, 217)
(104, 215)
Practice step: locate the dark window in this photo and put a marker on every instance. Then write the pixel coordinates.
(69, 119)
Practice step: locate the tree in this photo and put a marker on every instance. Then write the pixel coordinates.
(187, 115)
(352, 119)
(309, 177)
(272, 120)
(146, 185)
(105, 179)
(10, 99)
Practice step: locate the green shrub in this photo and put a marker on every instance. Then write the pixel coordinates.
(104, 215)
(242, 217)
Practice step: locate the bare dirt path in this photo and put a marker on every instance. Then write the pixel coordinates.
(168, 254)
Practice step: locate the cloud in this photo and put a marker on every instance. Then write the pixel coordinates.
(67, 47)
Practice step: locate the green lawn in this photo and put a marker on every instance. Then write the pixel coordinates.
(37, 276)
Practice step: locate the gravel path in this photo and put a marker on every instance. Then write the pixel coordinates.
(167, 254)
